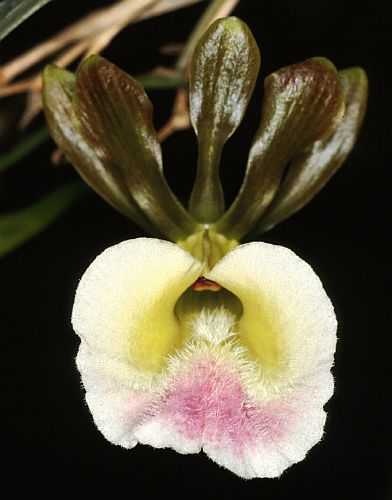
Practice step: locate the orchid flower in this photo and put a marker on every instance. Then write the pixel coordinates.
(203, 343)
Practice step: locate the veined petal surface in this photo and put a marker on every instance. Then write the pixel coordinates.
(302, 103)
(309, 173)
(116, 119)
(64, 126)
(222, 77)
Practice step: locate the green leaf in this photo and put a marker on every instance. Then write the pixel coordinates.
(223, 74)
(58, 93)
(156, 80)
(14, 12)
(302, 103)
(309, 173)
(24, 148)
(115, 115)
(19, 227)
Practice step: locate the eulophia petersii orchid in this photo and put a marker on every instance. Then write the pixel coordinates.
(202, 343)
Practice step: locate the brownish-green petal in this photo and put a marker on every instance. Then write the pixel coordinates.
(302, 104)
(309, 173)
(223, 73)
(58, 92)
(116, 119)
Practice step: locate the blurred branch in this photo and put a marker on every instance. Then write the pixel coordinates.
(18, 227)
(179, 119)
(81, 39)
(91, 34)
(216, 10)
(23, 148)
(90, 27)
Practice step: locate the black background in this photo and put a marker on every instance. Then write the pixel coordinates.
(48, 438)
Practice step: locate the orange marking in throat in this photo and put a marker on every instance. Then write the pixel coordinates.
(204, 285)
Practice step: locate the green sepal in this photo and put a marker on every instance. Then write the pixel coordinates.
(223, 74)
(19, 227)
(64, 126)
(115, 117)
(302, 103)
(309, 173)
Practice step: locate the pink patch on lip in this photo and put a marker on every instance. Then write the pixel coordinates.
(209, 404)
(136, 407)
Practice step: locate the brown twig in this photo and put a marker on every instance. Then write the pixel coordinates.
(92, 34)
(117, 16)
(33, 107)
(33, 84)
(89, 35)
(87, 27)
(18, 87)
(216, 10)
(179, 119)
(34, 103)
(101, 41)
